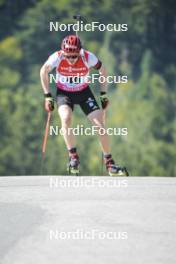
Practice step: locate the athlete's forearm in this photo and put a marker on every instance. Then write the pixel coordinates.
(45, 78)
(103, 85)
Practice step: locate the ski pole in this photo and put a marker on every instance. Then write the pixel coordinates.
(78, 18)
(46, 133)
(102, 156)
(45, 139)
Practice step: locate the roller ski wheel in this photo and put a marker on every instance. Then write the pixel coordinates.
(73, 165)
(72, 170)
(118, 171)
(115, 170)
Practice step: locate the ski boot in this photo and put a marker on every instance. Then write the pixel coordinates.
(114, 170)
(73, 165)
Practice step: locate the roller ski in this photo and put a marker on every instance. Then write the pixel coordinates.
(114, 170)
(73, 164)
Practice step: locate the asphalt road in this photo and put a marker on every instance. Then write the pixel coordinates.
(87, 220)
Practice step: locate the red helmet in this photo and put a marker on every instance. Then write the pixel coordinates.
(71, 44)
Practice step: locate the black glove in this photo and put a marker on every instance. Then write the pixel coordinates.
(104, 100)
(49, 102)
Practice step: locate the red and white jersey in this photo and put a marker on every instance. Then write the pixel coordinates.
(67, 74)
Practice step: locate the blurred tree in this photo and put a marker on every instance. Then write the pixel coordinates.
(145, 105)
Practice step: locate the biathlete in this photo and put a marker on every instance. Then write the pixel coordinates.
(71, 62)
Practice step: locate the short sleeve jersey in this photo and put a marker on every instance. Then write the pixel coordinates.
(73, 77)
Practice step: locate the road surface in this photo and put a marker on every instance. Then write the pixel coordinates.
(90, 220)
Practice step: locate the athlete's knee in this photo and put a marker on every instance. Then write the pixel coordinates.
(66, 120)
(65, 115)
(98, 121)
(96, 116)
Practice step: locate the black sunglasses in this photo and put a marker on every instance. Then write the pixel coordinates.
(71, 56)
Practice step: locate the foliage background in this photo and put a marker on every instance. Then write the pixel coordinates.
(146, 105)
